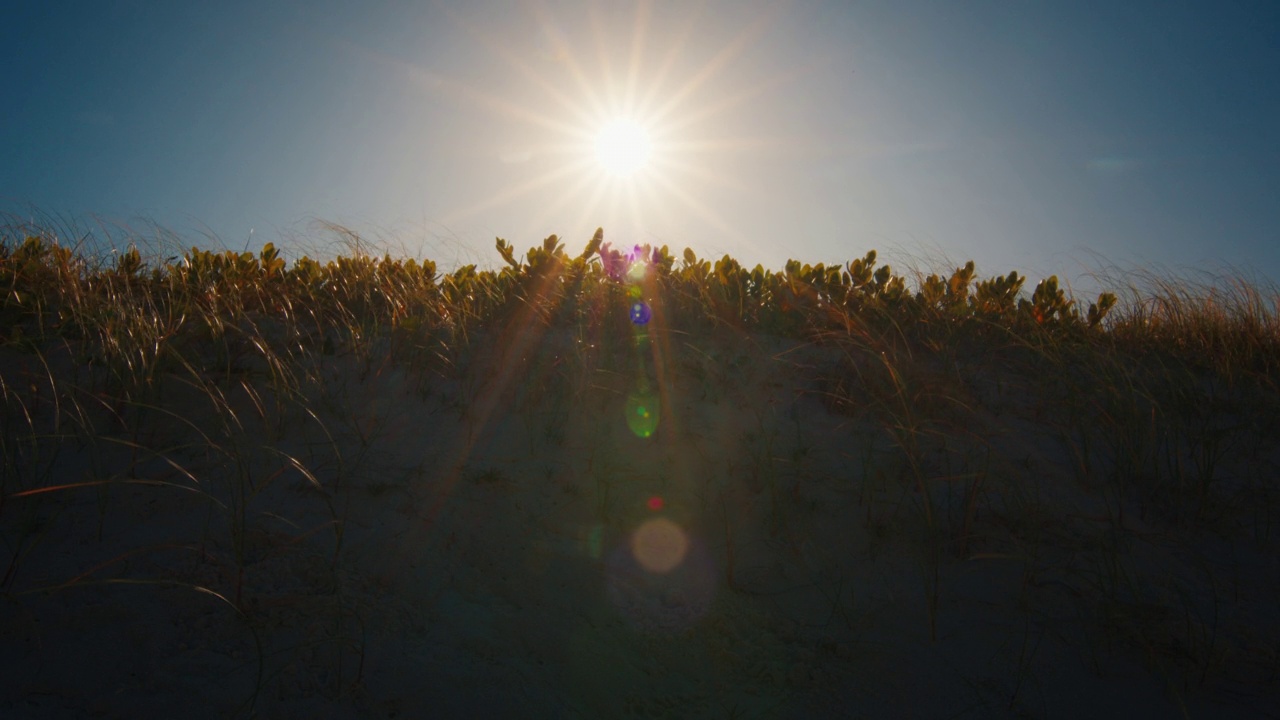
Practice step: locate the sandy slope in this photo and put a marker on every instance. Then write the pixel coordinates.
(471, 551)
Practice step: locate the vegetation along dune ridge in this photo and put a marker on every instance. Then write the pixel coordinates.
(624, 483)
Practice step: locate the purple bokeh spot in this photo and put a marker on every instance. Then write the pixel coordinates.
(640, 313)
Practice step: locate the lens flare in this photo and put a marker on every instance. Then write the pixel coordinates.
(637, 271)
(659, 545)
(642, 413)
(640, 313)
(595, 542)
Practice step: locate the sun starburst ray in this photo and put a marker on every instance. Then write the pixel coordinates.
(522, 189)
(712, 67)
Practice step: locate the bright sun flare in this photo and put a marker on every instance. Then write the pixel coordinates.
(622, 147)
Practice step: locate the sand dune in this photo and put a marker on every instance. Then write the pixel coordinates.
(700, 522)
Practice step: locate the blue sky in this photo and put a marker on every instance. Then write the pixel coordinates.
(1047, 137)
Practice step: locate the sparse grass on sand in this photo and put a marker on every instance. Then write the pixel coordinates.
(623, 485)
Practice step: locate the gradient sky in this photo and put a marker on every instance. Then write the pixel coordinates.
(1047, 137)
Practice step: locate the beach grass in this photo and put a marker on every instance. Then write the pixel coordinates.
(254, 487)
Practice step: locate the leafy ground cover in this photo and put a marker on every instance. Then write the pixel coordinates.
(625, 484)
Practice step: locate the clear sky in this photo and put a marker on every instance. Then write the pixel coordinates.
(1047, 137)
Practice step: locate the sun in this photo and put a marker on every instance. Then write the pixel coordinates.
(623, 147)
(630, 136)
